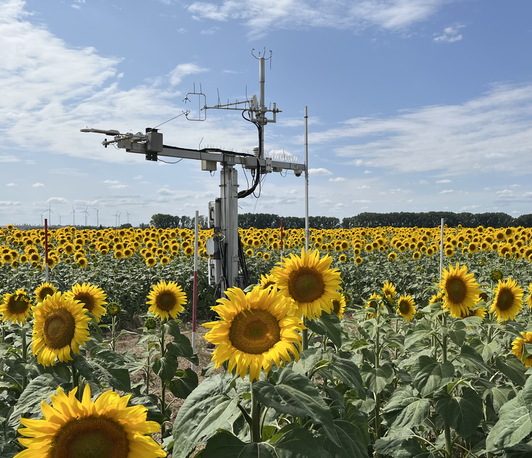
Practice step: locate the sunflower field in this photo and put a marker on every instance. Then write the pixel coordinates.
(359, 346)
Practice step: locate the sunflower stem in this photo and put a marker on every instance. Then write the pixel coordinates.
(163, 386)
(255, 416)
(75, 380)
(113, 332)
(24, 355)
(447, 428)
(377, 395)
(305, 336)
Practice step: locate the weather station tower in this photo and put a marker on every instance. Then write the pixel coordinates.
(226, 265)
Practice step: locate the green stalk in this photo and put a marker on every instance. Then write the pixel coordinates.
(163, 387)
(24, 355)
(148, 375)
(255, 417)
(113, 332)
(75, 381)
(377, 395)
(305, 335)
(447, 428)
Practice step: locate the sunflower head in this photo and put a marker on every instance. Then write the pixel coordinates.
(389, 292)
(16, 307)
(45, 289)
(92, 298)
(166, 300)
(460, 290)
(256, 330)
(406, 307)
(60, 327)
(309, 282)
(102, 428)
(113, 308)
(339, 305)
(496, 275)
(508, 300)
(518, 347)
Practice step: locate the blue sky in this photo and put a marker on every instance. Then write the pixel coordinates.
(414, 105)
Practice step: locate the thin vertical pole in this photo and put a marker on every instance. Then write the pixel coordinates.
(195, 286)
(281, 238)
(441, 248)
(46, 249)
(306, 182)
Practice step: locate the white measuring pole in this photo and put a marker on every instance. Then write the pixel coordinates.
(195, 286)
(307, 237)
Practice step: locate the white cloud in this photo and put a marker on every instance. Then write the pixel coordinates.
(57, 200)
(469, 208)
(8, 158)
(364, 186)
(111, 182)
(282, 155)
(337, 179)
(9, 203)
(11, 184)
(505, 192)
(367, 172)
(183, 70)
(210, 31)
(138, 177)
(449, 138)
(38, 185)
(119, 186)
(423, 182)
(319, 171)
(447, 191)
(269, 15)
(444, 181)
(360, 201)
(449, 35)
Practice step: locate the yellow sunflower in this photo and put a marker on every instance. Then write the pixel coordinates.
(460, 290)
(438, 297)
(166, 299)
(373, 302)
(309, 281)
(406, 307)
(358, 260)
(102, 428)
(339, 305)
(517, 348)
(16, 307)
(45, 289)
(92, 298)
(256, 329)
(389, 292)
(529, 297)
(60, 326)
(267, 281)
(508, 300)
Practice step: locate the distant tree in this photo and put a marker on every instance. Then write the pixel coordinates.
(163, 221)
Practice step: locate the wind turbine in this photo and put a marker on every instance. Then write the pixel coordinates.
(117, 216)
(86, 214)
(127, 213)
(97, 217)
(49, 210)
(73, 216)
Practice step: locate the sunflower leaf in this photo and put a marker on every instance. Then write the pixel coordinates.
(206, 410)
(513, 368)
(376, 379)
(296, 443)
(328, 325)
(295, 394)
(430, 375)
(464, 413)
(184, 382)
(354, 441)
(513, 426)
(181, 347)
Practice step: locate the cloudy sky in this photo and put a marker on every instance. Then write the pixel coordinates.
(414, 105)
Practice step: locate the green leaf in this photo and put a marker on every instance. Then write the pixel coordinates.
(414, 414)
(29, 402)
(464, 413)
(513, 426)
(458, 333)
(168, 367)
(519, 451)
(513, 368)
(347, 372)
(354, 441)
(182, 348)
(184, 383)
(328, 325)
(307, 361)
(297, 443)
(295, 394)
(172, 328)
(421, 332)
(430, 375)
(377, 379)
(207, 409)
(389, 444)
(472, 360)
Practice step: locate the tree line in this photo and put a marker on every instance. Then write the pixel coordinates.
(366, 219)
